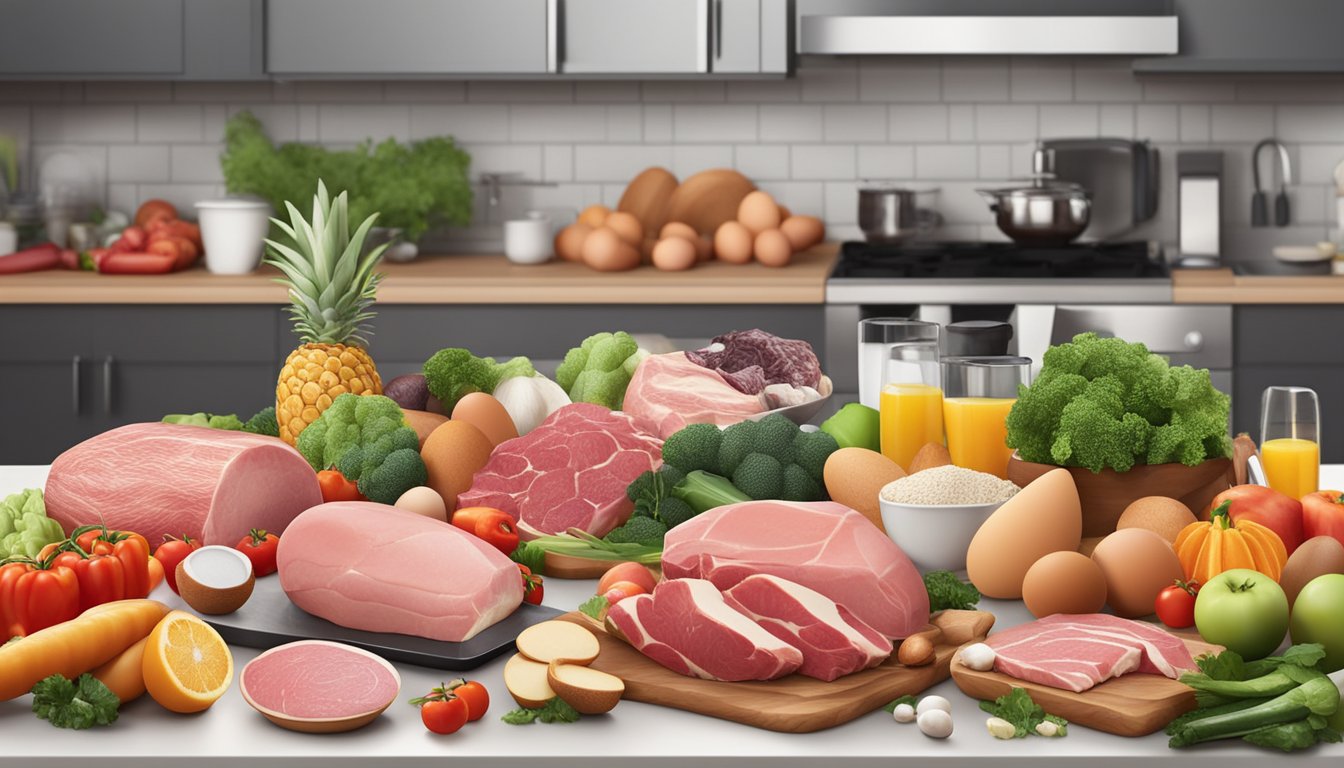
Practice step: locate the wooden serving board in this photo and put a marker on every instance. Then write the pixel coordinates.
(793, 704)
(1131, 705)
(570, 567)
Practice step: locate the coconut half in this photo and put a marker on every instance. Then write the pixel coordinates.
(215, 580)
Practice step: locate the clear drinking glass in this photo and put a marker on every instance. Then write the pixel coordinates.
(1290, 440)
(911, 400)
(978, 392)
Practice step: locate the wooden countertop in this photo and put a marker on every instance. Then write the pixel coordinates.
(465, 279)
(1220, 286)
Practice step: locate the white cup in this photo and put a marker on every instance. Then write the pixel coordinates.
(528, 241)
(233, 231)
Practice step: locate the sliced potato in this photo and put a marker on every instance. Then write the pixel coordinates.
(586, 689)
(526, 681)
(558, 640)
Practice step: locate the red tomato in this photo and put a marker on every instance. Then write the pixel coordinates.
(170, 553)
(260, 546)
(1266, 506)
(150, 210)
(1176, 604)
(475, 694)
(336, 488)
(133, 237)
(532, 587)
(441, 711)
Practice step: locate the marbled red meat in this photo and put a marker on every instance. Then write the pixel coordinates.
(739, 354)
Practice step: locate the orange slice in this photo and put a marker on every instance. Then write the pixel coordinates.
(187, 665)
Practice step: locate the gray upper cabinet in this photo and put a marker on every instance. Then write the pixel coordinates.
(749, 36)
(631, 36)
(1255, 36)
(405, 37)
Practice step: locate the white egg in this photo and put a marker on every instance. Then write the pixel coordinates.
(935, 723)
(423, 501)
(903, 713)
(929, 703)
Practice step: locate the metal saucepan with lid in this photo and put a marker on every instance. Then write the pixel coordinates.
(1042, 213)
(888, 213)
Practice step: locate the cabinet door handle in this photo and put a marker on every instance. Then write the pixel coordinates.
(718, 30)
(553, 36)
(74, 384)
(107, 384)
(702, 13)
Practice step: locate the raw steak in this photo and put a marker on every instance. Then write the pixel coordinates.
(686, 626)
(1077, 652)
(382, 569)
(752, 359)
(319, 679)
(669, 391)
(569, 472)
(156, 479)
(822, 545)
(834, 643)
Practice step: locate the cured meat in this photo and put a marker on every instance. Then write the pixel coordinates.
(1078, 652)
(569, 472)
(382, 569)
(822, 545)
(157, 479)
(669, 391)
(686, 626)
(834, 643)
(750, 360)
(317, 679)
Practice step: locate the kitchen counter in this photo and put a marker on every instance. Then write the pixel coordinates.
(465, 279)
(1221, 286)
(231, 733)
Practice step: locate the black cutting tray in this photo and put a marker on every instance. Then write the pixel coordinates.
(269, 619)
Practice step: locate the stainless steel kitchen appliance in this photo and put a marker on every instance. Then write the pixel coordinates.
(888, 213)
(1121, 176)
(1041, 213)
(1199, 205)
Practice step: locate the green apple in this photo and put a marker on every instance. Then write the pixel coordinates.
(1318, 617)
(1244, 611)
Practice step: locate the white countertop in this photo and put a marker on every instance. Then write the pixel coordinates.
(231, 733)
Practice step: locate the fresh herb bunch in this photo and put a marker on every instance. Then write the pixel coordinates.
(412, 186)
(81, 703)
(946, 591)
(1018, 708)
(553, 711)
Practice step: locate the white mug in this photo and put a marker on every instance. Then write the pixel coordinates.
(528, 241)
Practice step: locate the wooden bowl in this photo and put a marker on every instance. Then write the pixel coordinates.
(1105, 494)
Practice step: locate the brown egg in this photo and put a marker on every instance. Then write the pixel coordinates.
(758, 212)
(772, 248)
(487, 414)
(1138, 564)
(1316, 556)
(627, 226)
(803, 231)
(732, 243)
(1042, 518)
(1159, 514)
(674, 254)
(453, 454)
(703, 249)
(854, 477)
(605, 251)
(594, 215)
(569, 241)
(1064, 582)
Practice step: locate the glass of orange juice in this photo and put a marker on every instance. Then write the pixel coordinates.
(979, 392)
(911, 400)
(1290, 440)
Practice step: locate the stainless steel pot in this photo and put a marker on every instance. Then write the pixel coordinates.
(888, 214)
(1042, 214)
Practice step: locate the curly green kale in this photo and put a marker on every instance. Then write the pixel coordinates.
(451, 374)
(367, 439)
(263, 423)
(599, 369)
(1105, 403)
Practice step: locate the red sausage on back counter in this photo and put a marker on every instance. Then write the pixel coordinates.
(45, 256)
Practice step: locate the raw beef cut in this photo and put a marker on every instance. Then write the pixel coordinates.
(320, 680)
(822, 545)
(750, 360)
(382, 569)
(834, 643)
(156, 479)
(686, 626)
(1078, 652)
(669, 391)
(569, 472)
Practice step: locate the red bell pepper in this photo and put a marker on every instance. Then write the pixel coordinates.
(496, 529)
(39, 594)
(9, 617)
(102, 578)
(1280, 513)
(130, 548)
(1323, 515)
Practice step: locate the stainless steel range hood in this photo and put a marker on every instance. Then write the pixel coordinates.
(980, 27)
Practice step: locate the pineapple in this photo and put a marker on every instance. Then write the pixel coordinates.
(332, 289)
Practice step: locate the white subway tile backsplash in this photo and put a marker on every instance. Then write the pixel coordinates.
(213, 119)
(79, 124)
(705, 122)
(197, 163)
(1314, 123)
(1117, 121)
(336, 92)
(1241, 122)
(975, 80)
(740, 91)
(505, 91)
(557, 162)
(123, 197)
(522, 159)
(917, 122)
(693, 158)
(1157, 122)
(222, 93)
(946, 161)
(1106, 82)
(1005, 122)
(840, 203)
(898, 80)
(91, 160)
(281, 121)
(17, 122)
(183, 196)
(760, 162)
(683, 90)
(424, 91)
(308, 122)
(961, 122)
(995, 162)
(805, 197)
(657, 123)
(606, 91)
(959, 203)
(363, 122)
(830, 80)
(558, 122)
(127, 92)
(1307, 204)
(790, 122)
(1194, 123)
(464, 122)
(1041, 81)
(1279, 90)
(854, 122)
(625, 122)
(886, 161)
(1069, 121)
(823, 161)
(1184, 90)
(617, 162)
(30, 93)
(137, 162)
(175, 122)
(1316, 162)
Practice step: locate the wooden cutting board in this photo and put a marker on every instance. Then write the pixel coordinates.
(1132, 705)
(793, 704)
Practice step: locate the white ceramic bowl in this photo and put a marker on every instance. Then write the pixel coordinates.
(233, 231)
(934, 536)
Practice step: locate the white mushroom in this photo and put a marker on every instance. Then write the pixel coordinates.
(903, 713)
(935, 723)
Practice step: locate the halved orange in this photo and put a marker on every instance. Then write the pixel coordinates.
(187, 664)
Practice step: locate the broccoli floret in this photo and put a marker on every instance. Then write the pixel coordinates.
(263, 423)
(799, 486)
(738, 441)
(811, 449)
(695, 446)
(651, 489)
(774, 436)
(453, 373)
(760, 476)
(639, 530)
(674, 512)
(599, 369)
(367, 439)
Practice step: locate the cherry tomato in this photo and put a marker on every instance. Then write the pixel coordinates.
(1176, 604)
(170, 553)
(336, 488)
(532, 586)
(441, 711)
(260, 546)
(475, 694)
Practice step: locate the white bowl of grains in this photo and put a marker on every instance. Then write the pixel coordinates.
(933, 515)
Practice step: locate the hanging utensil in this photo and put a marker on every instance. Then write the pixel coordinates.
(1260, 200)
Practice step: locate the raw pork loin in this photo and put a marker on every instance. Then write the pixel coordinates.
(834, 643)
(686, 626)
(669, 391)
(1078, 652)
(157, 479)
(319, 679)
(382, 569)
(822, 545)
(569, 472)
